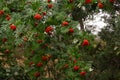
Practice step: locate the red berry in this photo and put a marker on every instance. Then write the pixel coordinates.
(71, 30)
(8, 18)
(25, 39)
(31, 63)
(83, 73)
(65, 23)
(76, 68)
(50, 6)
(1, 12)
(37, 74)
(39, 64)
(44, 58)
(71, 1)
(4, 40)
(32, 51)
(37, 16)
(49, 1)
(13, 27)
(7, 51)
(44, 13)
(75, 61)
(44, 46)
(88, 1)
(100, 5)
(49, 29)
(85, 43)
(65, 66)
(39, 41)
(112, 1)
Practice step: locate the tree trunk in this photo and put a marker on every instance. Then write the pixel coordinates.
(81, 24)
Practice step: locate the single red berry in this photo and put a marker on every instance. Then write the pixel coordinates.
(65, 23)
(7, 51)
(7, 15)
(71, 30)
(8, 18)
(44, 58)
(71, 1)
(88, 1)
(13, 27)
(76, 68)
(37, 74)
(33, 51)
(85, 42)
(49, 1)
(44, 46)
(83, 73)
(50, 6)
(31, 63)
(1, 12)
(37, 16)
(39, 41)
(100, 5)
(49, 29)
(112, 1)
(4, 40)
(66, 66)
(75, 61)
(44, 13)
(25, 39)
(39, 64)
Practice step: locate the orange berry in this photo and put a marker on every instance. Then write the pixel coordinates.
(49, 1)
(88, 1)
(65, 23)
(85, 42)
(50, 6)
(100, 5)
(112, 1)
(83, 73)
(13, 27)
(37, 74)
(37, 16)
(76, 68)
(39, 64)
(71, 30)
(49, 29)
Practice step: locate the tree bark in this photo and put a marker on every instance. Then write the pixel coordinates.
(81, 24)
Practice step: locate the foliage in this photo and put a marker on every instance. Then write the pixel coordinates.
(108, 58)
(45, 33)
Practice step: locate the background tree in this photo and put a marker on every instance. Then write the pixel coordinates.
(45, 33)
